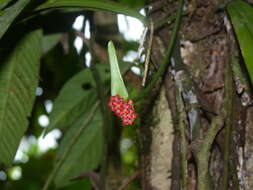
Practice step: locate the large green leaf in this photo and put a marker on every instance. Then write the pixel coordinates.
(117, 83)
(241, 15)
(9, 14)
(86, 153)
(93, 5)
(18, 81)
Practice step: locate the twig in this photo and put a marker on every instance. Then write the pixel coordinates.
(69, 148)
(146, 65)
(129, 180)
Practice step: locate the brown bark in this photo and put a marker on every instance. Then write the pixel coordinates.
(218, 151)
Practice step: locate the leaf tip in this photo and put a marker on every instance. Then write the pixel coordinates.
(110, 44)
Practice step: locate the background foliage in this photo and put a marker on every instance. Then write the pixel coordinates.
(37, 51)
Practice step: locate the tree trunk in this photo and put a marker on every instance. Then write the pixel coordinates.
(199, 136)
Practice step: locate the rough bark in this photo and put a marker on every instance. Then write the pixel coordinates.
(210, 103)
(162, 143)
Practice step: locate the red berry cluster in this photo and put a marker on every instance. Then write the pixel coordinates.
(123, 109)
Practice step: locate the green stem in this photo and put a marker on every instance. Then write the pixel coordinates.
(102, 96)
(228, 125)
(166, 60)
(69, 148)
(167, 20)
(105, 112)
(202, 156)
(183, 142)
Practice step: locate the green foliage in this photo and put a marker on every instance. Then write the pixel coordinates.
(3, 3)
(49, 41)
(85, 154)
(117, 83)
(76, 96)
(70, 112)
(81, 184)
(34, 180)
(93, 5)
(133, 3)
(8, 15)
(18, 81)
(241, 15)
(81, 147)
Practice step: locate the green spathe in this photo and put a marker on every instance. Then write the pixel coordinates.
(117, 83)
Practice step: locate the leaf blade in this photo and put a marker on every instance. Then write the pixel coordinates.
(50, 41)
(93, 5)
(86, 153)
(242, 21)
(10, 14)
(68, 105)
(18, 81)
(3, 3)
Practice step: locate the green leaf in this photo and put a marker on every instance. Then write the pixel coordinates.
(134, 3)
(117, 83)
(18, 81)
(49, 41)
(8, 15)
(241, 15)
(85, 155)
(93, 5)
(72, 101)
(3, 3)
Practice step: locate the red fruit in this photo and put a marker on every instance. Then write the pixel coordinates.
(123, 109)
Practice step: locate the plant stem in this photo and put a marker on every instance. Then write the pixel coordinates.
(104, 110)
(146, 65)
(183, 142)
(202, 156)
(166, 60)
(69, 148)
(230, 98)
(167, 20)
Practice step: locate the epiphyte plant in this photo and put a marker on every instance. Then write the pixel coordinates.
(119, 103)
